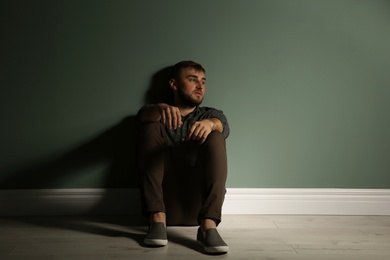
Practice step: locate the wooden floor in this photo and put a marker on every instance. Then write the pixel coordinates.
(248, 236)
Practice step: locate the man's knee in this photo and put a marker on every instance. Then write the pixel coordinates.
(215, 138)
(151, 131)
(151, 127)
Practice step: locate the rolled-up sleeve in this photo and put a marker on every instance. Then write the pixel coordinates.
(215, 113)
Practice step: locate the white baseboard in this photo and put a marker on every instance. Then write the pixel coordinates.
(237, 201)
(308, 201)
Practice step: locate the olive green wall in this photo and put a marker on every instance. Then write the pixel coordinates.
(305, 86)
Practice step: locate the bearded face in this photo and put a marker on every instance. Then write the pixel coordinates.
(190, 99)
(189, 87)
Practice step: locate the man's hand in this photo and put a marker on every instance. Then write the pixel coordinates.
(200, 130)
(170, 115)
(164, 113)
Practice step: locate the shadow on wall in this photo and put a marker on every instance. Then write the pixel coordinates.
(159, 90)
(116, 147)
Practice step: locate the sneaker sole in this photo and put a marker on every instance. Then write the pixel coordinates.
(156, 242)
(215, 249)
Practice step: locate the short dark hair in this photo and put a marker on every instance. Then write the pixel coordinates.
(178, 67)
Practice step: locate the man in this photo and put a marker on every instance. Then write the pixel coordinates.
(182, 161)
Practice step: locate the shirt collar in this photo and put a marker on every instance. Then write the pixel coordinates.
(194, 112)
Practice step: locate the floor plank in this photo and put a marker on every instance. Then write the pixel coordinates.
(249, 237)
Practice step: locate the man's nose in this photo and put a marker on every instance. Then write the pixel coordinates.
(199, 84)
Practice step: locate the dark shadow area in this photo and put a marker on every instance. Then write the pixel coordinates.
(115, 146)
(177, 238)
(110, 226)
(159, 90)
(32, 33)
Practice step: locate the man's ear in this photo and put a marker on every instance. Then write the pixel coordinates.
(172, 84)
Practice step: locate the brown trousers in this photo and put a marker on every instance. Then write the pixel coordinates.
(187, 181)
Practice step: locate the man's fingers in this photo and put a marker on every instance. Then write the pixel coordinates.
(172, 114)
(171, 117)
(198, 132)
(204, 137)
(177, 118)
(191, 131)
(200, 135)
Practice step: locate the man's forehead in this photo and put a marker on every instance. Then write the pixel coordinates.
(192, 71)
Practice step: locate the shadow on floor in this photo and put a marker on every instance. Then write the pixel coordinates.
(131, 227)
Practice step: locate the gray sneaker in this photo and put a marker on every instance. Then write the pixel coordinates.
(212, 242)
(157, 235)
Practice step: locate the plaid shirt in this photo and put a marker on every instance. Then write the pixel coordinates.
(176, 136)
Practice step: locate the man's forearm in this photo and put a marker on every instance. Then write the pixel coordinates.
(217, 125)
